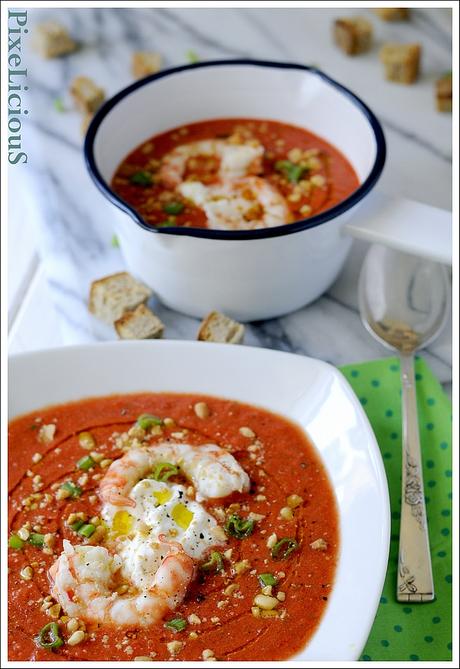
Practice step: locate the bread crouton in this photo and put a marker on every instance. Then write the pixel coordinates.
(444, 93)
(141, 323)
(392, 13)
(112, 295)
(401, 62)
(353, 35)
(52, 40)
(87, 96)
(145, 63)
(217, 327)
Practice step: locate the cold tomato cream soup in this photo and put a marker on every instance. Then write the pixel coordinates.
(233, 174)
(161, 526)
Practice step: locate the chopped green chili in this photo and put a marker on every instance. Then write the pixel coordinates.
(267, 579)
(291, 171)
(239, 527)
(173, 208)
(141, 178)
(15, 542)
(283, 548)
(148, 420)
(72, 488)
(176, 624)
(163, 471)
(37, 539)
(77, 524)
(215, 563)
(48, 637)
(86, 530)
(85, 463)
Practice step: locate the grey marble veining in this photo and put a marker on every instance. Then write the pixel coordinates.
(74, 222)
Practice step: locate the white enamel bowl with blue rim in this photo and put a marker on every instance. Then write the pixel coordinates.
(253, 274)
(310, 392)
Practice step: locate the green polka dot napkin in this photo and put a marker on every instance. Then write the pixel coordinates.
(417, 631)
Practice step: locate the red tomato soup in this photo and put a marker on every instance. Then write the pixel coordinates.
(121, 548)
(233, 174)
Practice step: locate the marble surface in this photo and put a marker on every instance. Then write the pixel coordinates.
(70, 223)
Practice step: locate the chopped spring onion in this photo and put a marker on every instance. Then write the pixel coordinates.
(48, 637)
(239, 527)
(77, 524)
(85, 463)
(176, 624)
(283, 548)
(141, 178)
(86, 440)
(115, 242)
(15, 542)
(37, 539)
(72, 488)
(86, 530)
(215, 563)
(148, 420)
(163, 471)
(173, 208)
(291, 171)
(267, 579)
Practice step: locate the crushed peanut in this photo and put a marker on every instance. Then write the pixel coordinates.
(293, 501)
(23, 533)
(286, 513)
(201, 409)
(241, 567)
(193, 619)
(46, 433)
(26, 573)
(175, 647)
(271, 541)
(319, 545)
(247, 432)
(265, 602)
(76, 638)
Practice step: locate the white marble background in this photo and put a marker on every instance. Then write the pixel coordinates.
(56, 210)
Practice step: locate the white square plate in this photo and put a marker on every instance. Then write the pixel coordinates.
(310, 392)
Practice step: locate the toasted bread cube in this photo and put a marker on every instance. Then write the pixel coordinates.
(444, 93)
(401, 62)
(392, 13)
(141, 323)
(87, 96)
(353, 35)
(52, 40)
(112, 295)
(145, 63)
(86, 120)
(217, 327)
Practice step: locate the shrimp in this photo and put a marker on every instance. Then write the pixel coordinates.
(241, 204)
(235, 160)
(213, 471)
(83, 581)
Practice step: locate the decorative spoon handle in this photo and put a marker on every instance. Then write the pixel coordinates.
(415, 577)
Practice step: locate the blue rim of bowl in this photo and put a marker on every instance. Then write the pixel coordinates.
(286, 229)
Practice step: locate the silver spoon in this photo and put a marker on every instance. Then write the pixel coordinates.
(404, 302)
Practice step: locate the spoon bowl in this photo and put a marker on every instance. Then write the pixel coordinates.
(403, 299)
